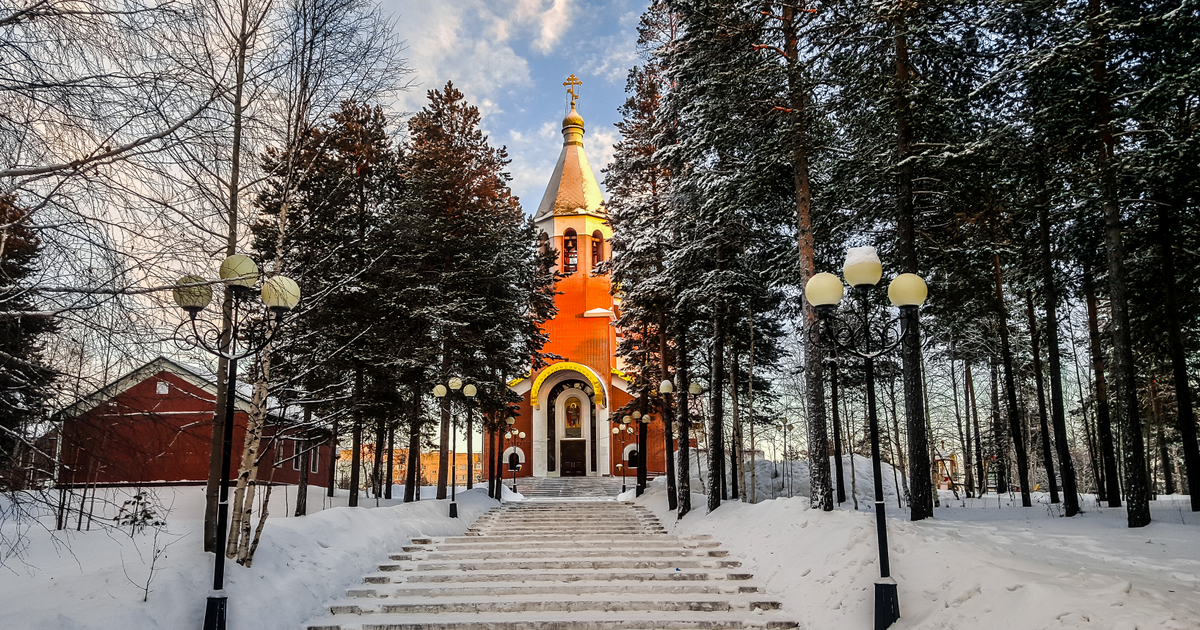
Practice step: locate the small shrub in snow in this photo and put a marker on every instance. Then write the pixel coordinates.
(137, 513)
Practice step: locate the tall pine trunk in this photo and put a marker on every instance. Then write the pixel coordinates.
(1066, 462)
(470, 448)
(980, 473)
(1185, 418)
(716, 421)
(444, 438)
(685, 424)
(334, 455)
(837, 433)
(1035, 348)
(999, 450)
(412, 468)
(963, 438)
(668, 417)
(391, 450)
(1112, 486)
(356, 437)
(818, 434)
(1010, 391)
(919, 464)
(305, 460)
(1133, 450)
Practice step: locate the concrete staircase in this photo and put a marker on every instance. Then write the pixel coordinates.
(558, 565)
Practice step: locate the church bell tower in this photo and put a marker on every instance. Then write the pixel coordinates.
(566, 406)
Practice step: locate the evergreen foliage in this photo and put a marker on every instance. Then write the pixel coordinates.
(25, 375)
(1012, 154)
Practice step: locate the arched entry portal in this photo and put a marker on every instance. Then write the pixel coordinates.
(570, 423)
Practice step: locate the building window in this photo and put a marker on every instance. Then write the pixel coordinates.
(570, 251)
(597, 248)
(313, 458)
(163, 388)
(295, 454)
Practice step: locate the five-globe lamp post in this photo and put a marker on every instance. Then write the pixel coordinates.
(622, 431)
(853, 335)
(193, 294)
(643, 427)
(453, 386)
(512, 436)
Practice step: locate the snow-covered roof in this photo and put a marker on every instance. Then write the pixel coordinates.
(195, 376)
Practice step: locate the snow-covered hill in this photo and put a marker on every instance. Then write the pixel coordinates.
(980, 564)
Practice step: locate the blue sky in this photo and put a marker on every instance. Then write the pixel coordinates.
(510, 58)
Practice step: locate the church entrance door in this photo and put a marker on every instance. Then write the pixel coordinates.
(574, 460)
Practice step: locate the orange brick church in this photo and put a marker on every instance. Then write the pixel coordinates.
(568, 411)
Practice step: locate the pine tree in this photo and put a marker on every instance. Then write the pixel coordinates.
(477, 284)
(24, 374)
(335, 215)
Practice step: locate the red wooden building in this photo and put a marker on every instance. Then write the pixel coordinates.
(568, 409)
(154, 426)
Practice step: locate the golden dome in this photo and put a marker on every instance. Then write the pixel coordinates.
(573, 119)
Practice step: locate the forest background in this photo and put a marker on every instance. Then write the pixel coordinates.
(1035, 162)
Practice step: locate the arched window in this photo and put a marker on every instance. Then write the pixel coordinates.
(570, 251)
(597, 247)
(514, 462)
(631, 456)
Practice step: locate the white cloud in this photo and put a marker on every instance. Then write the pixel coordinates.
(599, 144)
(496, 50)
(614, 55)
(469, 42)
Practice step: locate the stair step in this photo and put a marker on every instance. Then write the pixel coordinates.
(414, 577)
(593, 587)
(612, 562)
(572, 605)
(597, 537)
(530, 554)
(484, 545)
(560, 621)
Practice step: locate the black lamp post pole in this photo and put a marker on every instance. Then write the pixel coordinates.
(887, 600)
(215, 611)
(453, 463)
(859, 343)
(513, 445)
(641, 471)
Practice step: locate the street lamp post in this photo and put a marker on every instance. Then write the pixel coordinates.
(454, 386)
(862, 270)
(193, 294)
(643, 422)
(512, 437)
(622, 431)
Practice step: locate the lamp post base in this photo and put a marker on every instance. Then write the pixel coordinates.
(887, 603)
(453, 510)
(214, 612)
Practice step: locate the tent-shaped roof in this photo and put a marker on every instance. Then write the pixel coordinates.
(572, 188)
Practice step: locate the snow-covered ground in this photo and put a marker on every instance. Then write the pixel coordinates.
(95, 580)
(979, 564)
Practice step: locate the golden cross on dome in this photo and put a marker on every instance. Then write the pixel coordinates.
(571, 83)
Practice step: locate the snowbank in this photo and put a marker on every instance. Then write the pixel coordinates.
(775, 479)
(978, 565)
(70, 580)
